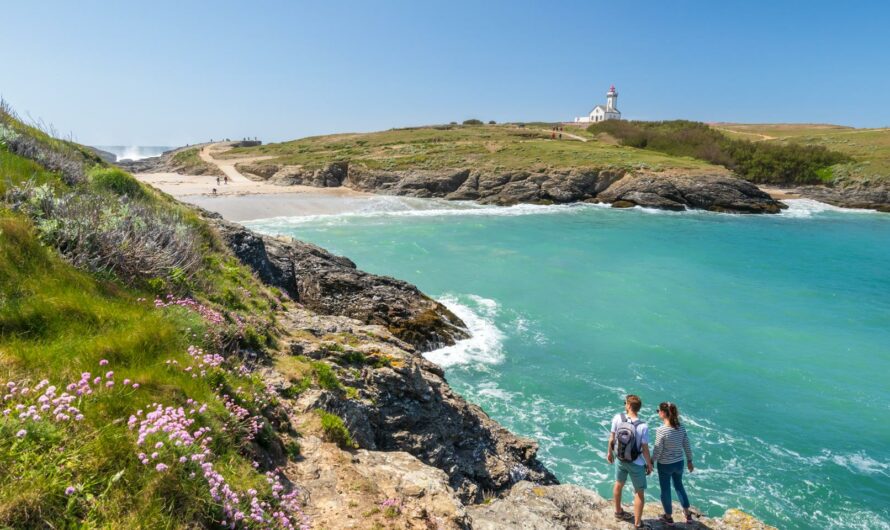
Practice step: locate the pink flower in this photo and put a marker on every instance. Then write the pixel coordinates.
(161, 467)
(126, 381)
(21, 433)
(109, 375)
(135, 385)
(103, 362)
(109, 384)
(69, 490)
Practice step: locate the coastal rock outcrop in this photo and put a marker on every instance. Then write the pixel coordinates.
(671, 191)
(402, 402)
(868, 197)
(718, 193)
(567, 507)
(332, 285)
(329, 176)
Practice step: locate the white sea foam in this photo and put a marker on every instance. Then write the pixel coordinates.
(134, 152)
(485, 345)
(802, 208)
(400, 207)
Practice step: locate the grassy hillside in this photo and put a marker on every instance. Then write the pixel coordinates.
(128, 398)
(493, 147)
(870, 148)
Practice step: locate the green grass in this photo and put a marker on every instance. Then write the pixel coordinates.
(870, 148)
(56, 322)
(335, 430)
(188, 161)
(487, 147)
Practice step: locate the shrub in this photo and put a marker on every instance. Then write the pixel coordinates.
(757, 161)
(473, 121)
(492, 122)
(116, 181)
(108, 234)
(335, 430)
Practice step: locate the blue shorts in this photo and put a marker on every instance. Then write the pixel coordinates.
(637, 474)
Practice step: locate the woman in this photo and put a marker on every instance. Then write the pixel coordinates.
(671, 443)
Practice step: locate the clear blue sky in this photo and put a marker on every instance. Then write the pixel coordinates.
(179, 72)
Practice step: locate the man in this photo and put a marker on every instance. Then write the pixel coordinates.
(629, 438)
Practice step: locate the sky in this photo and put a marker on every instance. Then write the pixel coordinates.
(171, 73)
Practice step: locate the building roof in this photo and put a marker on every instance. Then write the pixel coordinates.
(616, 111)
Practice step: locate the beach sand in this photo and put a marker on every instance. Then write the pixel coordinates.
(780, 193)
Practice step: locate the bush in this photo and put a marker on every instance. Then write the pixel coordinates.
(473, 121)
(492, 122)
(107, 234)
(116, 181)
(756, 161)
(335, 430)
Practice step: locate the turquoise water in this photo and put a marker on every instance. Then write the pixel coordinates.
(772, 333)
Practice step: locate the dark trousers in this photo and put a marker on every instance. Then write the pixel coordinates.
(668, 473)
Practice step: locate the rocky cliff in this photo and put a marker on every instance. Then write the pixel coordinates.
(667, 190)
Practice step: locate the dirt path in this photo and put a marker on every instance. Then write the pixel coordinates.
(227, 166)
(569, 135)
(746, 133)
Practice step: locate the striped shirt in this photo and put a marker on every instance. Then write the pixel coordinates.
(671, 444)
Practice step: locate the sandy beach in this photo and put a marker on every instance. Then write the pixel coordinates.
(242, 198)
(780, 193)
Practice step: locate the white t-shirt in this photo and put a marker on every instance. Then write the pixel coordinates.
(642, 435)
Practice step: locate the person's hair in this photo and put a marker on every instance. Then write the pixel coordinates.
(670, 410)
(634, 402)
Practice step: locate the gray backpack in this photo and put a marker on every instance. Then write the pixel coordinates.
(627, 448)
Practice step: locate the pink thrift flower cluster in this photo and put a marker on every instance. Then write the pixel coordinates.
(167, 433)
(45, 402)
(210, 315)
(244, 421)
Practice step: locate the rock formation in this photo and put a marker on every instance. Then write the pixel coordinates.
(332, 285)
(672, 191)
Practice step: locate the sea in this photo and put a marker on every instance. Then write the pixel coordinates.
(771, 333)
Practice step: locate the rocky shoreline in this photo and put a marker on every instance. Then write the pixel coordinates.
(664, 190)
(446, 461)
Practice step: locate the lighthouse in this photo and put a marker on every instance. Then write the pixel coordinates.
(609, 111)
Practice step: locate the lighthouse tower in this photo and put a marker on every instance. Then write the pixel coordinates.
(612, 100)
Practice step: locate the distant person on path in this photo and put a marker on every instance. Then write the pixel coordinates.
(214, 191)
(629, 443)
(671, 445)
(217, 181)
(226, 179)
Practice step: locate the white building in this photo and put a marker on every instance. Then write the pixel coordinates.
(609, 111)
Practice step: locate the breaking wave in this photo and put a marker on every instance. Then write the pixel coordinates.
(485, 345)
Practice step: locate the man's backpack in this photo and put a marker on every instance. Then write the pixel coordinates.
(627, 448)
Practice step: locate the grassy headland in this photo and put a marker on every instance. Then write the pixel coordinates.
(488, 147)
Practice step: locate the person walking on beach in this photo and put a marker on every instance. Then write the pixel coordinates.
(629, 444)
(671, 445)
